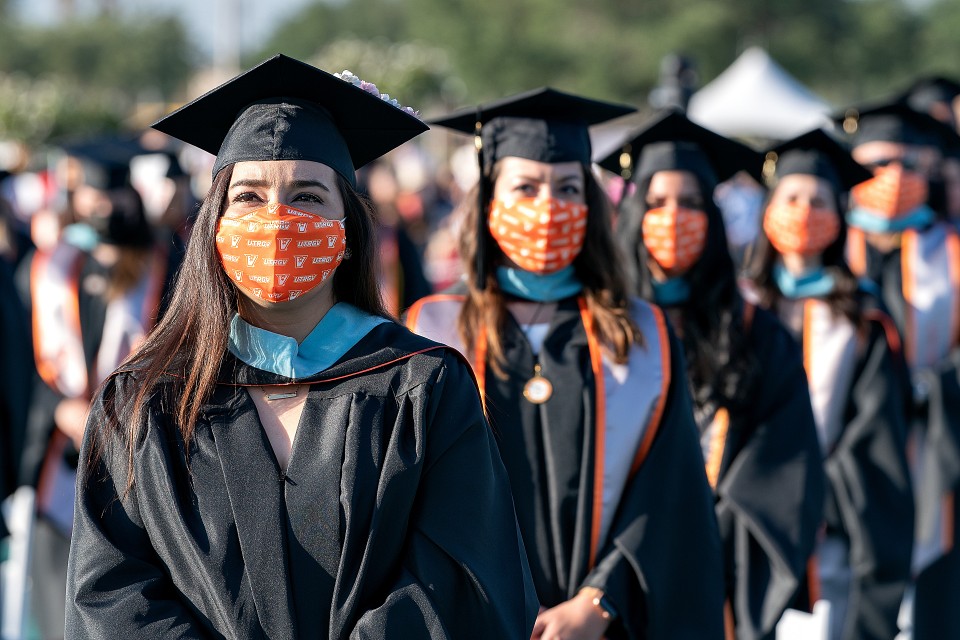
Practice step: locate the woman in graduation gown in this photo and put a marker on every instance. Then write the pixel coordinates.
(581, 384)
(93, 296)
(858, 385)
(745, 371)
(280, 460)
(900, 239)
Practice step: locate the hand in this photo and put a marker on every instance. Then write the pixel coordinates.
(70, 417)
(575, 619)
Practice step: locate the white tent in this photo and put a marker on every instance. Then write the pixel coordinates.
(756, 98)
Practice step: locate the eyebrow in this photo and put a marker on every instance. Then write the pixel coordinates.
(532, 178)
(296, 184)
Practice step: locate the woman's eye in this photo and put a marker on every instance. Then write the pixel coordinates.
(308, 197)
(691, 203)
(246, 196)
(526, 189)
(570, 190)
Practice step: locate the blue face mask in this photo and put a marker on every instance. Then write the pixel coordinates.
(81, 236)
(548, 287)
(813, 284)
(872, 223)
(671, 292)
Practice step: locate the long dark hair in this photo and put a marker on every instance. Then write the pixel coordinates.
(598, 267)
(191, 339)
(721, 369)
(843, 300)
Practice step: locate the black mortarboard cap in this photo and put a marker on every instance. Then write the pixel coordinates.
(284, 109)
(897, 122)
(105, 159)
(670, 141)
(926, 91)
(544, 125)
(816, 153)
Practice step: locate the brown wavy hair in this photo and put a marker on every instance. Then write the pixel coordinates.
(598, 267)
(180, 360)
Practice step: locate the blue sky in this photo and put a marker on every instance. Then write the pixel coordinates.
(258, 18)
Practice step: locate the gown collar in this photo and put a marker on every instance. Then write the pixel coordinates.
(338, 331)
(539, 287)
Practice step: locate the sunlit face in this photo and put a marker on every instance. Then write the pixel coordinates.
(520, 178)
(803, 189)
(674, 189)
(301, 184)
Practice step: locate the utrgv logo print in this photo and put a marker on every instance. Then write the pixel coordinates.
(331, 242)
(234, 241)
(302, 227)
(295, 294)
(251, 259)
(300, 261)
(238, 275)
(282, 278)
(284, 243)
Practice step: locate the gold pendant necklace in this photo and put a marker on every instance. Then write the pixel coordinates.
(537, 389)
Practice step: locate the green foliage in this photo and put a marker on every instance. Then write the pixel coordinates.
(38, 110)
(844, 49)
(102, 53)
(85, 76)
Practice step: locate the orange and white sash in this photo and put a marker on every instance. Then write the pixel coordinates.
(57, 343)
(930, 264)
(930, 270)
(830, 344)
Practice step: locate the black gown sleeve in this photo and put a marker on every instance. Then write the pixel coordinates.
(870, 485)
(663, 569)
(116, 584)
(465, 572)
(770, 497)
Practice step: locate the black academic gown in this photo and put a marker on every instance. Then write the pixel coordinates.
(15, 364)
(935, 413)
(660, 564)
(393, 518)
(869, 503)
(770, 487)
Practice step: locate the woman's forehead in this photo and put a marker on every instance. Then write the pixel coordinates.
(512, 165)
(279, 171)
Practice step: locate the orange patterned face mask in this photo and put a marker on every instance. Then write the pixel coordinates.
(892, 191)
(800, 228)
(675, 237)
(540, 236)
(278, 253)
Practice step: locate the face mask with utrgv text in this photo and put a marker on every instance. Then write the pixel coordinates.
(278, 253)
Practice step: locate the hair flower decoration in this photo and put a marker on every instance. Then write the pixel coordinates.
(348, 76)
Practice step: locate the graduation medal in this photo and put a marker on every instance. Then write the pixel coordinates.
(537, 389)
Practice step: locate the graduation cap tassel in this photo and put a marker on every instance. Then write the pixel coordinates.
(626, 171)
(481, 244)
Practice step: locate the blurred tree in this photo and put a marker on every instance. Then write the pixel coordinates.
(102, 53)
(844, 49)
